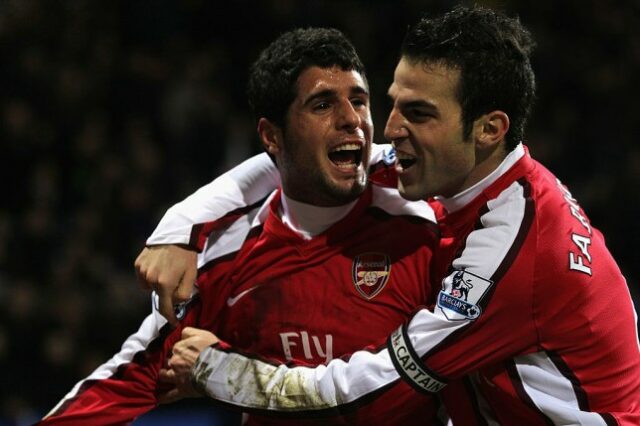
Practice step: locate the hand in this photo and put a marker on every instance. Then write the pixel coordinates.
(170, 270)
(184, 357)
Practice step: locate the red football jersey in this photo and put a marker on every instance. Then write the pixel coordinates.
(289, 299)
(548, 297)
(534, 320)
(309, 301)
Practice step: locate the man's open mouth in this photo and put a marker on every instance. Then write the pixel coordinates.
(346, 156)
(405, 160)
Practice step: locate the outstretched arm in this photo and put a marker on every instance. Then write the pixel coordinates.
(168, 263)
(242, 186)
(420, 352)
(258, 385)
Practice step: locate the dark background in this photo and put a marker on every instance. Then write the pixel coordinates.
(110, 111)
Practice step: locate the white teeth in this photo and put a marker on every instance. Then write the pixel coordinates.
(345, 165)
(404, 156)
(347, 147)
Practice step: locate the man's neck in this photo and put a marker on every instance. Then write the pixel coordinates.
(309, 220)
(462, 198)
(487, 161)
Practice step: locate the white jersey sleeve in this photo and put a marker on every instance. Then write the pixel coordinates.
(260, 385)
(264, 386)
(242, 186)
(511, 305)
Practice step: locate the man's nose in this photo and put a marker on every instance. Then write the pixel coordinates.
(349, 117)
(395, 129)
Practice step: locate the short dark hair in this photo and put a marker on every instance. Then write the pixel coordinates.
(491, 50)
(273, 76)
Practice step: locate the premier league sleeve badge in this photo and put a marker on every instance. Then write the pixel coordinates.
(461, 294)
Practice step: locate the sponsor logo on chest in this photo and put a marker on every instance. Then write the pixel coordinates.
(370, 273)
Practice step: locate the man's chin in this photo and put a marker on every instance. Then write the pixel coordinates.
(347, 192)
(410, 192)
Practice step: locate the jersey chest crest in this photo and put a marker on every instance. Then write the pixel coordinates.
(370, 273)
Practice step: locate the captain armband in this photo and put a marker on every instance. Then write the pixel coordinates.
(410, 366)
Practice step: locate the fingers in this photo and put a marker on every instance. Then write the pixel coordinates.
(185, 283)
(189, 332)
(140, 266)
(183, 358)
(166, 375)
(197, 338)
(170, 270)
(165, 305)
(181, 384)
(188, 272)
(170, 396)
(185, 352)
(163, 265)
(177, 394)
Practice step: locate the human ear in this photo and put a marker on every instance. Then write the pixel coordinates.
(270, 136)
(490, 129)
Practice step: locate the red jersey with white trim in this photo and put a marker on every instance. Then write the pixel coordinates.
(308, 301)
(538, 282)
(269, 291)
(534, 316)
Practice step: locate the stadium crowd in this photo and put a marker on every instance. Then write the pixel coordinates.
(111, 111)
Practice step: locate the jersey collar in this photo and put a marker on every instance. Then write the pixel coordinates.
(463, 198)
(308, 220)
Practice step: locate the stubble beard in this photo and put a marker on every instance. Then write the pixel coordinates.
(330, 193)
(311, 185)
(315, 188)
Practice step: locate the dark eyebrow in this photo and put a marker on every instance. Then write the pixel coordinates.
(417, 103)
(328, 93)
(359, 90)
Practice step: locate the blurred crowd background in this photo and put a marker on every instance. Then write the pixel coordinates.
(110, 111)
